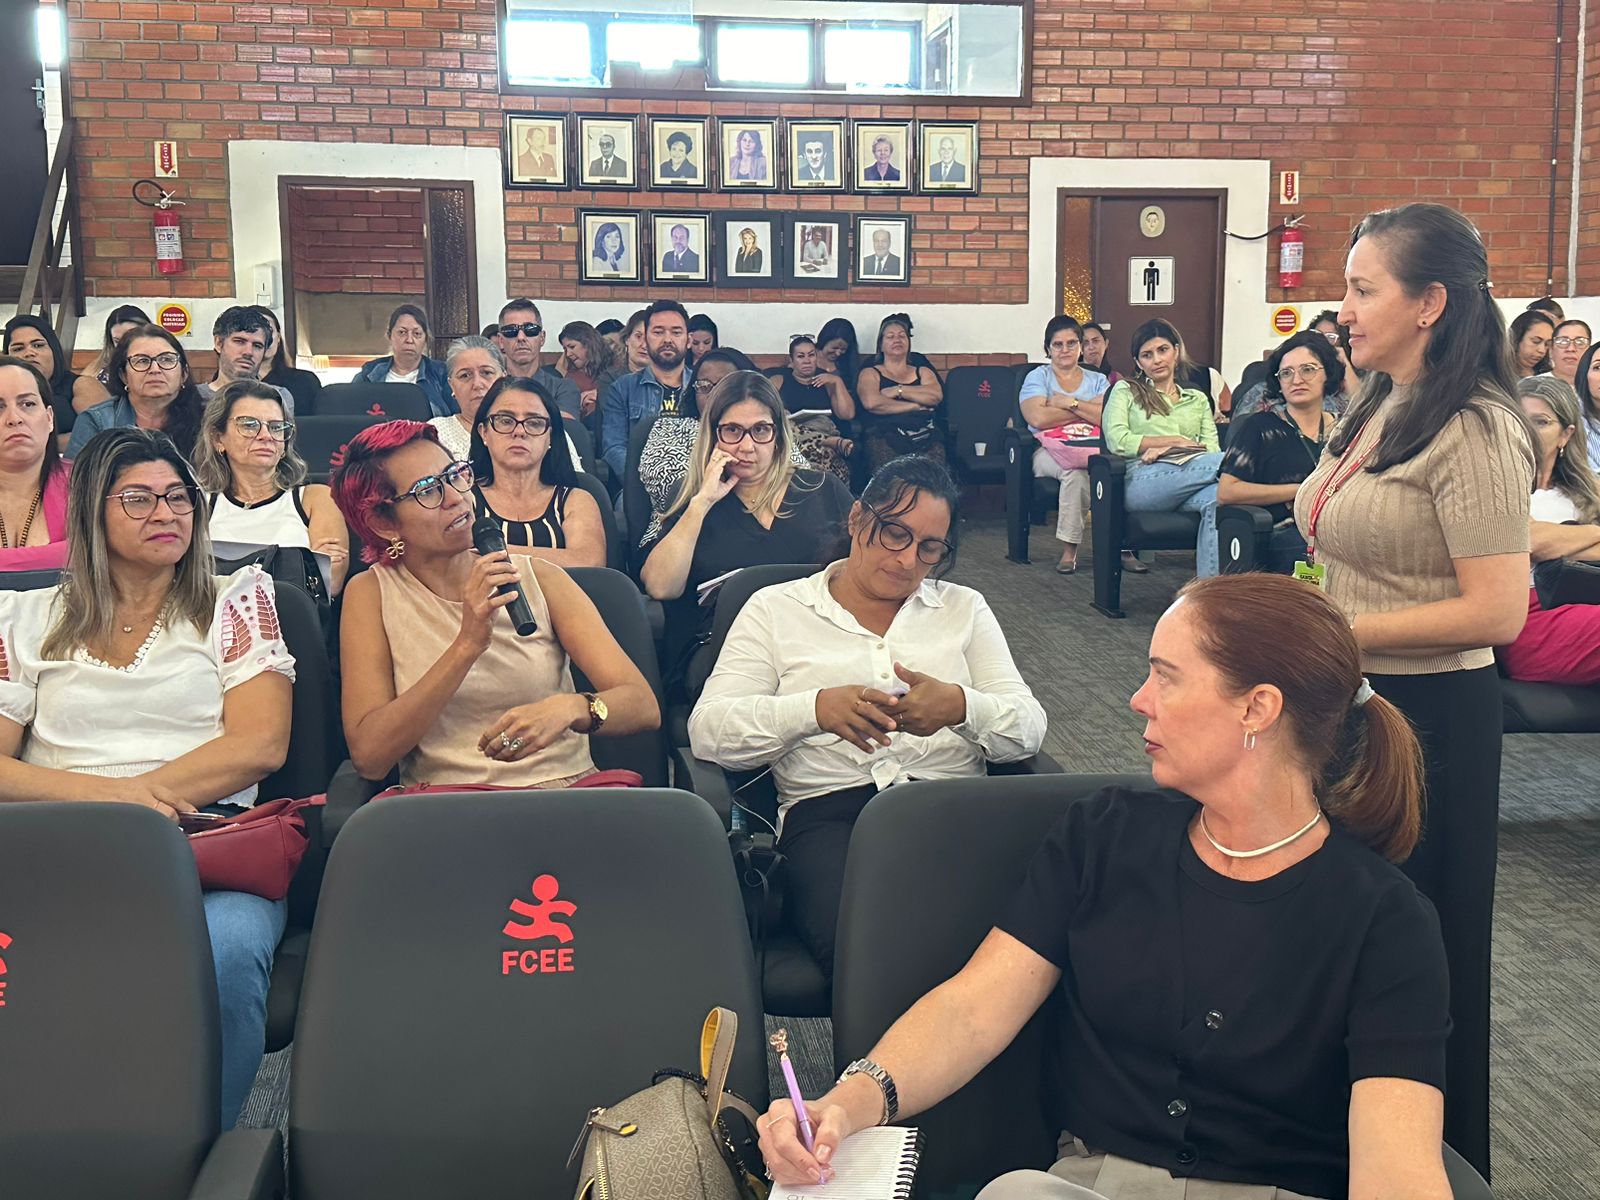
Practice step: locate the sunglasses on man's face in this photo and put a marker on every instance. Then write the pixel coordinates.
(531, 329)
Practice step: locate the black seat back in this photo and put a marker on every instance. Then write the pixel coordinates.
(731, 597)
(978, 402)
(29, 581)
(110, 1068)
(616, 550)
(636, 507)
(321, 440)
(433, 1046)
(622, 609)
(951, 852)
(381, 401)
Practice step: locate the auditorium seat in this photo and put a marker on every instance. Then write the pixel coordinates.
(900, 862)
(382, 401)
(1244, 537)
(440, 1055)
(979, 402)
(1549, 707)
(616, 548)
(110, 1044)
(29, 581)
(321, 440)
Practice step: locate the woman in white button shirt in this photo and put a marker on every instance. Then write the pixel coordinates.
(931, 691)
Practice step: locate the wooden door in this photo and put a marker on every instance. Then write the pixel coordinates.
(21, 130)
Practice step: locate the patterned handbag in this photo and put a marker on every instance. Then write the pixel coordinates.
(672, 1140)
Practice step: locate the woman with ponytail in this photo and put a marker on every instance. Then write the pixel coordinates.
(1248, 991)
(1416, 523)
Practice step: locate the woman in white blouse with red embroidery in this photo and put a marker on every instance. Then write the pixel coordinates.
(147, 680)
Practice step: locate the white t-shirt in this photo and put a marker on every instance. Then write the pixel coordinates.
(1552, 506)
(167, 702)
(281, 521)
(402, 377)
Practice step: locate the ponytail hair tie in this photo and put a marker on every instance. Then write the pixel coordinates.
(1485, 284)
(1363, 693)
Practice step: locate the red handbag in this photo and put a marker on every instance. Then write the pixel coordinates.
(257, 851)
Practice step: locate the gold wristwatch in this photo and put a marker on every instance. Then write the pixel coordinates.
(598, 712)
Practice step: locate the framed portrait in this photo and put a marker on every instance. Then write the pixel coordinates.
(816, 250)
(750, 153)
(608, 152)
(883, 250)
(678, 152)
(749, 249)
(948, 153)
(536, 150)
(882, 156)
(610, 249)
(818, 156)
(680, 248)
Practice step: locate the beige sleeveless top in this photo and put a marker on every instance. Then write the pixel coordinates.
(513, 671)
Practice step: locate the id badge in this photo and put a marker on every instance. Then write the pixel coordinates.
(1316, 574)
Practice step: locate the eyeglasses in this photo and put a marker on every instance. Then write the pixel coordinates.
(702, 386)
(140, 503)
(428, 491)
(251, 427)
(1304, 371)
(143, 362)
(1332, 335)
(531, 328)
(1560, 343)
(505, 423)
(732, 433)
(895, 537)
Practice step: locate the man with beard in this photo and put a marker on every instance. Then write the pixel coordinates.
(520, 336)
(240, 336)
(663, 386)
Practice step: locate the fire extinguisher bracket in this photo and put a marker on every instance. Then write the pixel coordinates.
(165, 225)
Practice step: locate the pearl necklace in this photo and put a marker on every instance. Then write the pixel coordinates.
(1293, 837)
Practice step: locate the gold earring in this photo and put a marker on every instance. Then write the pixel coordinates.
(396, 549)
(1249, 739)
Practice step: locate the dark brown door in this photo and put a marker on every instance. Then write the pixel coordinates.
(21, 130)
(1142, 265)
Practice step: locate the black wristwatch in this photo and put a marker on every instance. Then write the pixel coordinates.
(885, 1082)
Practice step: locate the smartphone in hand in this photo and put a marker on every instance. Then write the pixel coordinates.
(196, 821)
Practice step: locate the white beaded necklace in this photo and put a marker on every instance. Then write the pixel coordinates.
(1293, 837)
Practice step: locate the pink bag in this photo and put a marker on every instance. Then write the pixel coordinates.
(1070, 446)
(257, 851)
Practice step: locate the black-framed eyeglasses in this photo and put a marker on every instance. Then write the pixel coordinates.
(251, 427)
(143, 362)
(530, 328)
(1560, 343)
(1307, 371)
(428, 491)
(895, 537)
(140, 503)
(503, 422)
(731, 433)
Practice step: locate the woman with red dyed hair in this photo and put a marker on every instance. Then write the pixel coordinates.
(436, 679)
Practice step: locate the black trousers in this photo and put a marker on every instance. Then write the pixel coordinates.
(1457, 716)
(816, 836)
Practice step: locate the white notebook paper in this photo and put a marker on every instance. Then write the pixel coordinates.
(874, 1164)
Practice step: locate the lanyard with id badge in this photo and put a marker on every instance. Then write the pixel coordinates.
(1309, 570)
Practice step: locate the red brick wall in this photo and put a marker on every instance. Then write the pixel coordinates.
(1588, 280)
(347, 240)
(1375, 101)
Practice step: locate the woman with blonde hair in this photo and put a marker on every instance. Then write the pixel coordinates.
(245, 460)
(1562, 644)
(743, 503)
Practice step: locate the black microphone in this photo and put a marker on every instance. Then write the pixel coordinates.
(486, 536)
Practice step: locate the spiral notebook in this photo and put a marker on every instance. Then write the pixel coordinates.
(874, 1164)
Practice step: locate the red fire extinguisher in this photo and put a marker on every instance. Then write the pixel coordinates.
(169, 238)
(1291, 254)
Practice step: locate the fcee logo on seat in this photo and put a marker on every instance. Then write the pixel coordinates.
(545, 918)
(5, 942)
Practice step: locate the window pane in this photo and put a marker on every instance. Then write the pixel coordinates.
(544, 50)
(871, 59)
(654, 45)
(764, 55)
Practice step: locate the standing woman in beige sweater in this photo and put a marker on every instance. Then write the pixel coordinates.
(1417, 521)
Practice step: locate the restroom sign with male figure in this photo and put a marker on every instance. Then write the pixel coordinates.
(1150, 280)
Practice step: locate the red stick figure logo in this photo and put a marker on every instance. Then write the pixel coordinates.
(5, 941)
(336, 459)
(541, 916)
(376, 411)
(985, 389)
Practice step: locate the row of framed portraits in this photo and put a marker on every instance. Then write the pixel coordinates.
(749, 249)
(552, 150)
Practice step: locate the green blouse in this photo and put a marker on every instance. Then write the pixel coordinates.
(1126, 424)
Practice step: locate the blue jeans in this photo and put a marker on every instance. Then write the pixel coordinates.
(245, 930)
(1192, 487)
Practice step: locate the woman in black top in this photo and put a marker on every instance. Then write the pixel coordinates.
(31, 339)
(821, 407)
(900, 399)
(1248, 992)
(1271, 451)
(744, 503)
(304, 386)
(526, 482)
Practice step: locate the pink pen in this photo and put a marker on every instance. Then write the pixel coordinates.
(780, 1043)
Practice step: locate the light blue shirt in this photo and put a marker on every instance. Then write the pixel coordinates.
(1041, 381)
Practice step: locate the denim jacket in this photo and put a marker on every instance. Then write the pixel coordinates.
(431, 378)
(629, 400)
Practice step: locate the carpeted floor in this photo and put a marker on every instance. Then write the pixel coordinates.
(1546, 1049)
